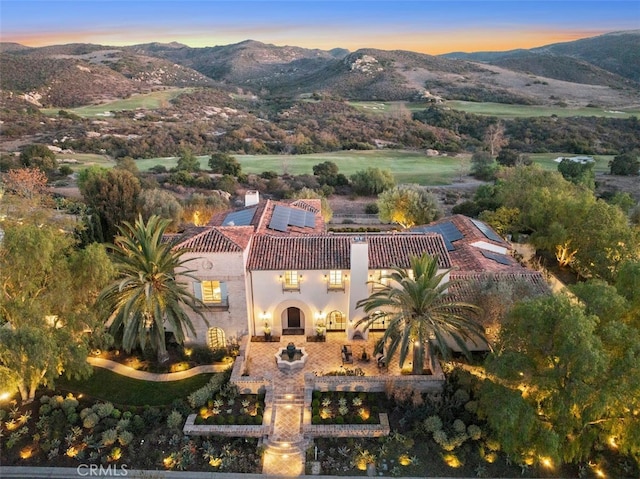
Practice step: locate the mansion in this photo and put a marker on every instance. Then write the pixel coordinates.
(271, 268)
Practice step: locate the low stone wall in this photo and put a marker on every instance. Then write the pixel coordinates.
(246, 384)
(348, 430)
(244, 430)
(424, 384)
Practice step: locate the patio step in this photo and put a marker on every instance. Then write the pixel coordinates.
(286, 399)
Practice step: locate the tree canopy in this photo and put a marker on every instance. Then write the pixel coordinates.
(372, 181)
(49, 289)
(146, 297)
(112, 196)
(224, 164)
(563, 380)
(408, 205)
(418, 309)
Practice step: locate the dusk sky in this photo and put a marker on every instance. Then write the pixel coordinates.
(421, 25)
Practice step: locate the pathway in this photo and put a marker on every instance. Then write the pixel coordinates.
(286, 445)
(123, 370)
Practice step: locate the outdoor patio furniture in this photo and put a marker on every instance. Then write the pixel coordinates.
(347, 355)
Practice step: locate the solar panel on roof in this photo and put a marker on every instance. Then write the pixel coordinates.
(309, 219)
(497, 257)
(239, 218)
(297, 217)
(279, 218)
(486, 230)
(447, 230)
(450, 231)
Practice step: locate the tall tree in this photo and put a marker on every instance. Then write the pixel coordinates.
(38, 156)
(224, 164)
(372, 181)
(418, 309)
(112, 196)
(483, 165)
(160, 203)
(626, 164)
(562, 380)
(47, 303)
(146, 297)
(578, 173)
(408, 205)
(188, 162)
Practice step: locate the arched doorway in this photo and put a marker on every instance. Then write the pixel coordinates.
(292, 321)
(336, 321)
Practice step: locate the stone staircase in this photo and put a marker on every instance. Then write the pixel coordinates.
(285, 446)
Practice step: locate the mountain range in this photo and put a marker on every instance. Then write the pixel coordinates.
(603, 71)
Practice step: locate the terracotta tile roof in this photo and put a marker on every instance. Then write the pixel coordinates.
(334, 251)
(466, 257)
(463, 282)
(397, 250)
(299, 253)
(219, 239)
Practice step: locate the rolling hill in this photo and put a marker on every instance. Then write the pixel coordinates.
(604, 70)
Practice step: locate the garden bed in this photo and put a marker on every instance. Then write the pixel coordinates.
(345, 408)
(180, 358)
(239, 410)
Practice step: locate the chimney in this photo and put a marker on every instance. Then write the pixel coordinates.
(358, 277)
(251, 197)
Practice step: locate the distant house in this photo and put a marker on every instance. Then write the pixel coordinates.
(576, 159)
(272, 265)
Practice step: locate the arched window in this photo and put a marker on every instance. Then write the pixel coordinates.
(215, 338)
(380, 324)
(336, 321)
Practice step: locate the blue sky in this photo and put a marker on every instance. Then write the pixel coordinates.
(428, 26)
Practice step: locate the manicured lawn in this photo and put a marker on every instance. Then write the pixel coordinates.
(108, 386)
(523, 111)
(407, 166)
(150, 101)
(501, 110)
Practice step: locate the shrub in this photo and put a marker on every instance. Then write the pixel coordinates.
(459, 426)
(73, 418)
(44, 409)
(257, 419)
(371, 209)
(109, 437)
(69, 404)
(103, 409)
(174, 420)
(125, 438)
(339, 420)
(432, 424)
(474, 432)
(90, 421)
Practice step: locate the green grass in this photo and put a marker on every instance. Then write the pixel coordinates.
(501, 110)
(149, 101)
(109, 386)
(406, 166)
(85, 160)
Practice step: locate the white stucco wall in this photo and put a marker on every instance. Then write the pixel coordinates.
(312, 298)
(229, 268)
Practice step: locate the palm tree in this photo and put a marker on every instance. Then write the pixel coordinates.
(418, 309)
(146, 295)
